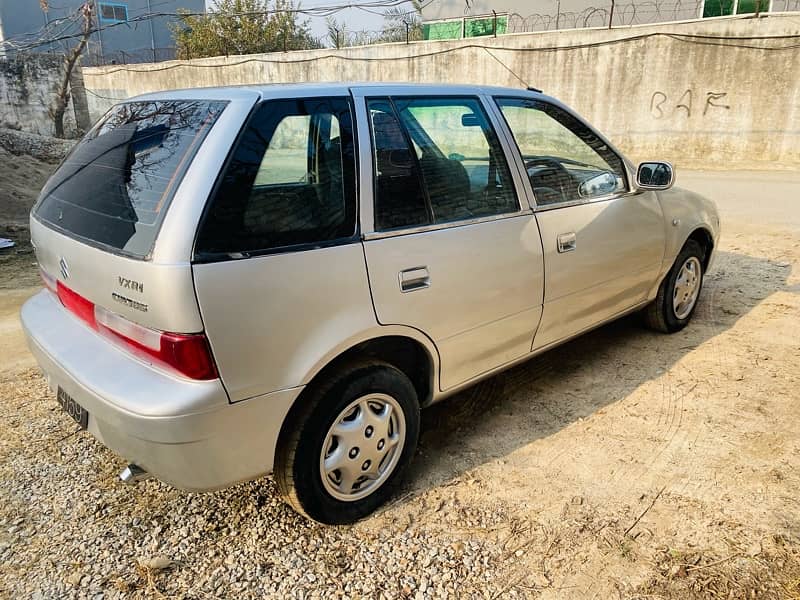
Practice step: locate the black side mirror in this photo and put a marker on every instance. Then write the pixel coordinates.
(655, 176)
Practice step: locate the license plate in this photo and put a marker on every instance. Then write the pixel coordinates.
(73, 409)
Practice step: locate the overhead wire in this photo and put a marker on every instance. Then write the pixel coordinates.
(314, 11)
(327, 10)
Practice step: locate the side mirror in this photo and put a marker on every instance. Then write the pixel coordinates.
(655, 176)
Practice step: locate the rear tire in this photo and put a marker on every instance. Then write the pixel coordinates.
(678, 293)
(343, 451)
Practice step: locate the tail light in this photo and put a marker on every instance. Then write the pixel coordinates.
(186, 354)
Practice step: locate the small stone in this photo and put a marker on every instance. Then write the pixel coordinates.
(678, 571)
(157, 563)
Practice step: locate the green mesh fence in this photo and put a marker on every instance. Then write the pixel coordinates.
(751, 6)
(717, 8)
(455, 29)
(484, 26)
(443, 30)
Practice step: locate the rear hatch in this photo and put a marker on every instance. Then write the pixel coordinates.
(114, 226)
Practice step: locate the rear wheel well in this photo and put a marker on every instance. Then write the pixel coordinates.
(703, 237)
(404, 353)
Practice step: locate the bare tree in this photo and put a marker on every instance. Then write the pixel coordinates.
(59, 106)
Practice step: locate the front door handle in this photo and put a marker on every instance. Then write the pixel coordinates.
(567, 242)
(417, 278)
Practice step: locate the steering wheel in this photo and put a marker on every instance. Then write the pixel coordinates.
(552, 173)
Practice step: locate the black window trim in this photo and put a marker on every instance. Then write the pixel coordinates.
(522, 208)
(628, 191)
(214, 257)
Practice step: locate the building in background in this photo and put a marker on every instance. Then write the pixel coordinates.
(454, 19)
(123, 36)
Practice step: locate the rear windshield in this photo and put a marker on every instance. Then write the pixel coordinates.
(116, 185)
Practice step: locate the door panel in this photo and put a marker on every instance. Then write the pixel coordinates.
(618, 249)
(482, 299)
(602, 246)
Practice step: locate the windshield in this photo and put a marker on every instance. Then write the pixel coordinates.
(116, 185)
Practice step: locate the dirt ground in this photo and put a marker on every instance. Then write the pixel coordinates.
(21, 178)
(625, 464)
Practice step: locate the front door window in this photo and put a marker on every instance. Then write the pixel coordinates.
(565, 160)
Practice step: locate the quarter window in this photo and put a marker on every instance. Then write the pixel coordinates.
(437, 160)
(564, 159)
(291, 181)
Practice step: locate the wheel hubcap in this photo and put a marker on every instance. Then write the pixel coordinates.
(687, 287)
(362, 447)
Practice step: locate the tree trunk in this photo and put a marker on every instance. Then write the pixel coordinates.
(61, 100)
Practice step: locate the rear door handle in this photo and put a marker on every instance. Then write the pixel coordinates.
(567, 242)
(414, 279)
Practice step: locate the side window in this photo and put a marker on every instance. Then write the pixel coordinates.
(286, 157)
(437, 160)
(463, 166)
(565, 159)
(291, 181)
(399, 198)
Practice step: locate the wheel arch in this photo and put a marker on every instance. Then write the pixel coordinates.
(416, 359)
(701, 233)
(703, 236)
(405, 348)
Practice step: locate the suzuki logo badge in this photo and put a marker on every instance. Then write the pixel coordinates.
(64, 268)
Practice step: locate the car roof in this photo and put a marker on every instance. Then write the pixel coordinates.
(279, 90)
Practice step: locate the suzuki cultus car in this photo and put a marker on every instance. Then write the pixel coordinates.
(276, 279)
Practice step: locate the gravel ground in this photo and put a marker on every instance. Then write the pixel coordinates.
(87, 535)
(624, 464)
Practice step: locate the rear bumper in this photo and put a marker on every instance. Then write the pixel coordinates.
(183, 432)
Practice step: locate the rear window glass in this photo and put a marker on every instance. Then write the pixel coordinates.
(116, 185)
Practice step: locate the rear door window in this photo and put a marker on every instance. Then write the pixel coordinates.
(290, 182)
(437, 160)
(116, 185)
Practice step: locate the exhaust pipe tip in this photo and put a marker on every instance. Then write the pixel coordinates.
(132, 474)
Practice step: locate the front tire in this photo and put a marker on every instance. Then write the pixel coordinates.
(678, 293)
(343, 451)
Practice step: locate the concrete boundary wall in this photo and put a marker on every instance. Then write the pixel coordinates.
(714, 93)
(28, 86)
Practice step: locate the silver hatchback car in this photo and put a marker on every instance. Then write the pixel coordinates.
(278, 278)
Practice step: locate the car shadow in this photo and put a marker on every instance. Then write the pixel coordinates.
(546, 394)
